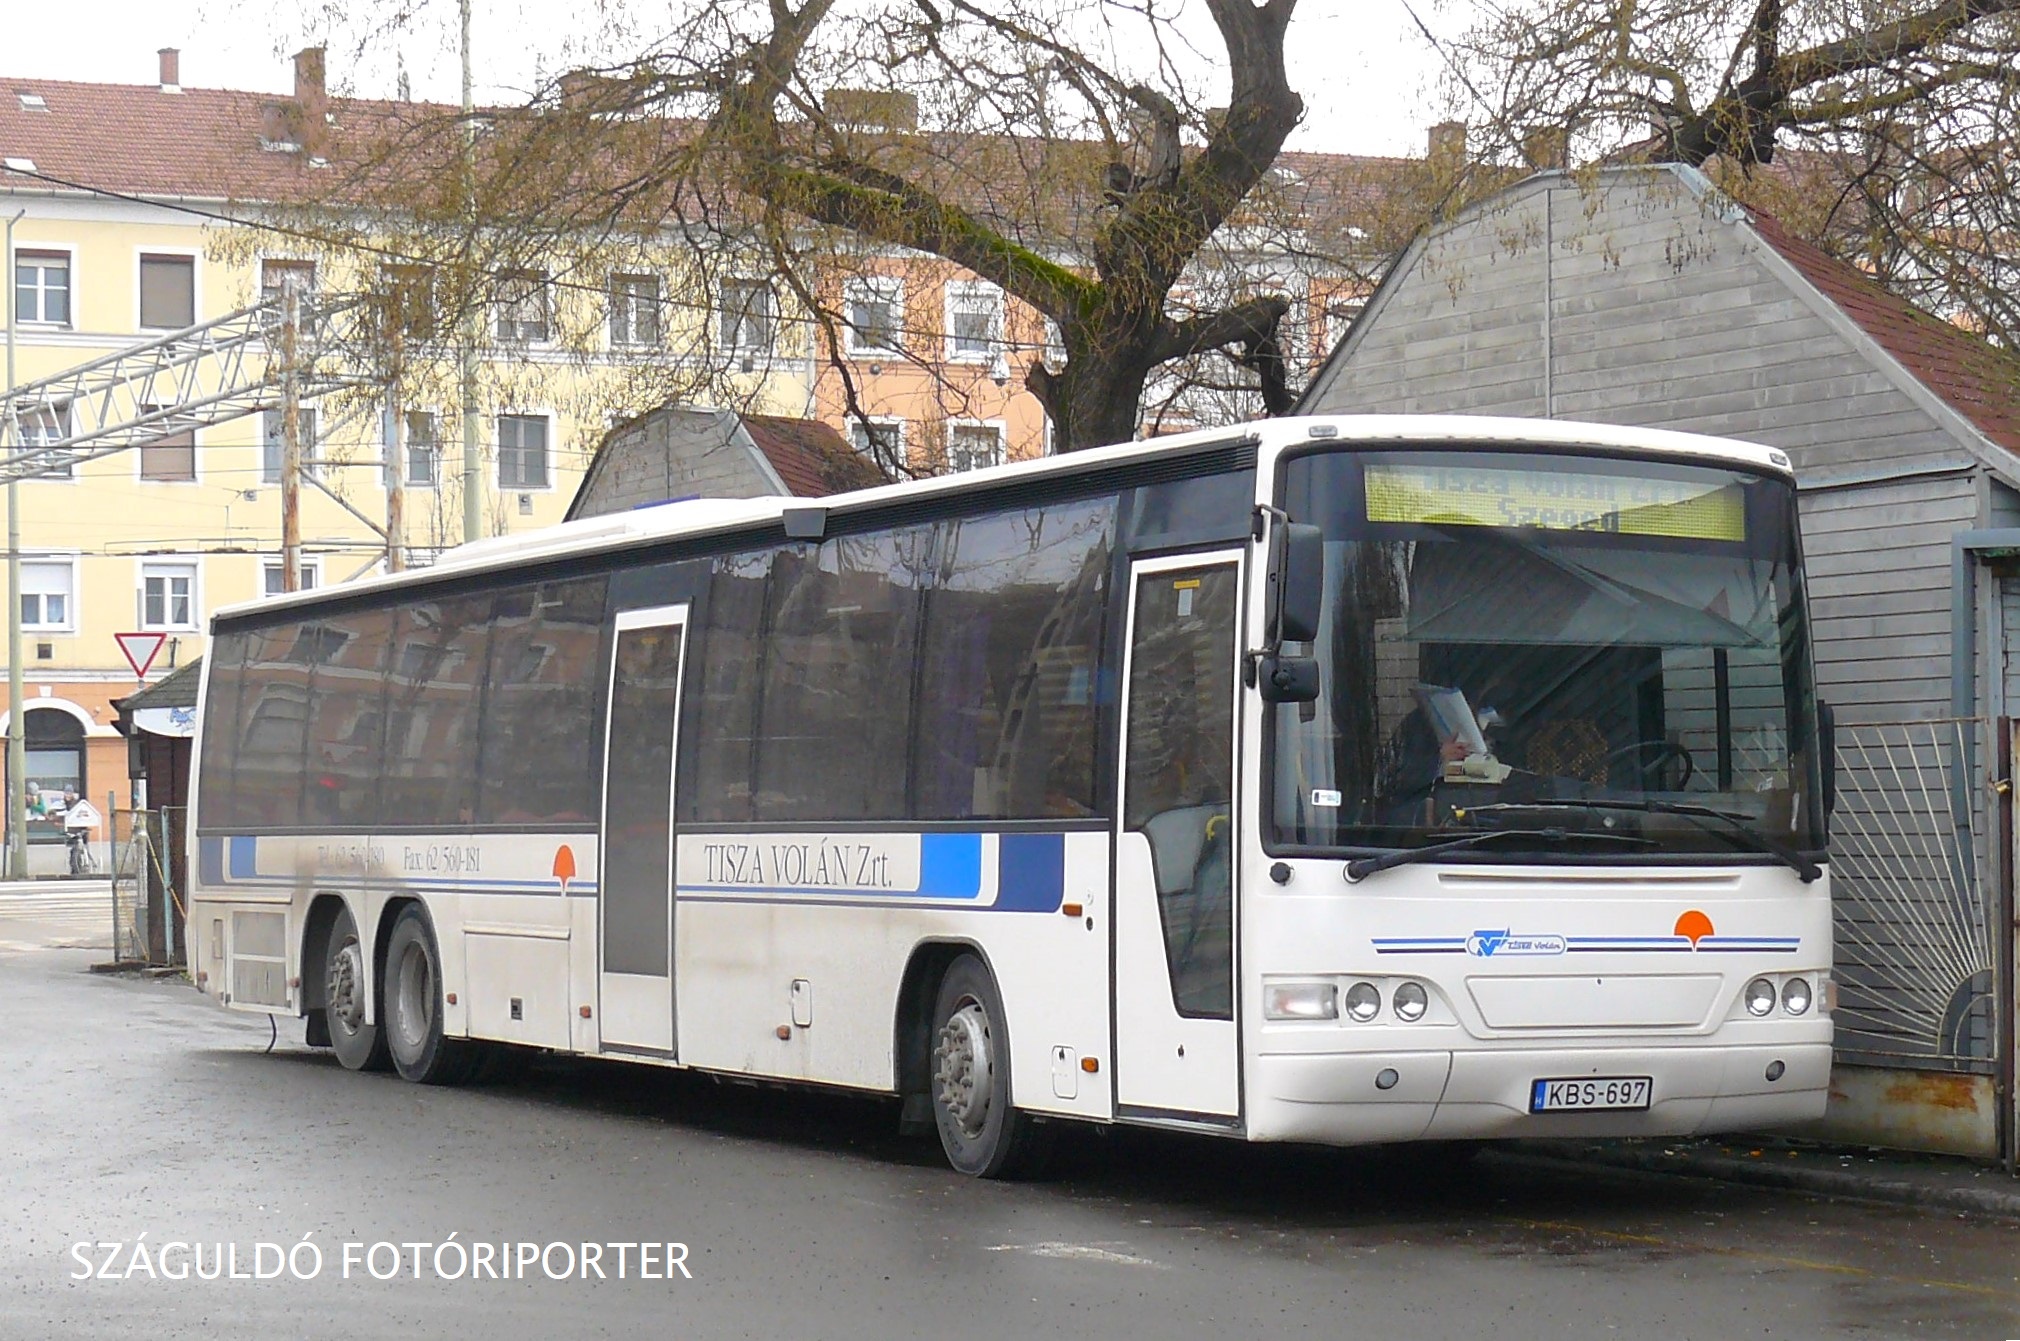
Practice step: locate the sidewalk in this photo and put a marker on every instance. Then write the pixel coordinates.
(1858, 1173)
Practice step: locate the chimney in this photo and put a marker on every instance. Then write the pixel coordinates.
(309, 77)
(171, 70)
(1448, 143)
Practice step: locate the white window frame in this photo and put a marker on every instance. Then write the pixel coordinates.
(191, 568)
(30, 437)
(309, 567)
(739, 345)
(195, 256)
(542, 293)
(68, 624)
(310, 443)
(296, 263)
(406, 466)
(876, 288)
(69, 254)
(139, 455)
(1002, 443)
(498, 450)
(965, 295)
(630, 303)
(897, 427)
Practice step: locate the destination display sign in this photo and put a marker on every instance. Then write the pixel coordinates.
(1555, 500)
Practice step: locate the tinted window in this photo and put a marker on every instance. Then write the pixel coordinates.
(540, 705)
(724, 710)
(346, 715)
(836, 707)
(1008, 667)
(271, 732)
(218, 801)
(434, 695)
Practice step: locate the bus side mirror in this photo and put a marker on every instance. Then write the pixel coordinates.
(1827, 753)
(1288, 679)
(1297, 582)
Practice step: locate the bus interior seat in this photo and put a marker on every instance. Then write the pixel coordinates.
(1176, 839)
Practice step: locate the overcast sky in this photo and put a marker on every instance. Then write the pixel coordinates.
(1362, 67)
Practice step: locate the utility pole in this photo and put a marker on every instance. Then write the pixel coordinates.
(396, 473)
(17, 719)
(291, 436)
(473, 465)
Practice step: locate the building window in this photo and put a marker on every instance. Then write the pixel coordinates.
(749, 316)
(168, 292)
(974, 446)
(277, 276)
(170, 459)
(424, 450)
(876, 309)
(634, 310)
(520, 309)
(42, 286)
(882, 440)
(522, 451)
(407, 293)
(168, 596)
(273, 447)
(974, 322)
(308, 574)
(48, 594)
(41, 426)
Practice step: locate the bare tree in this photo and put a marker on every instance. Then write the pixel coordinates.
(1881, 129)
(1086, 158)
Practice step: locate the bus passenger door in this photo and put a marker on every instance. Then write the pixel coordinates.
(1176, 1051)
(635, 889)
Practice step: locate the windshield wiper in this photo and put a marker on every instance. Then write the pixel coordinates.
(1737, 828)
(1360, 868)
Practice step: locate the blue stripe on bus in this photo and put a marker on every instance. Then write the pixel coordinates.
(950, 866)
(210, 860)
(1030, 872)
(244, 857)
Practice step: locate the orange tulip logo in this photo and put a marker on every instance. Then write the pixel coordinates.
(1693, 926)
(564, 867)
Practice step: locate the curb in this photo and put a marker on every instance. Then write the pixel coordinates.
(2000, 1198)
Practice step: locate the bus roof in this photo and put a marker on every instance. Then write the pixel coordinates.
(701, 517)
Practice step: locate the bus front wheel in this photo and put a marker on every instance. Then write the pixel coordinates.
(359, 1045)
(982, 1134)
(412, 1008)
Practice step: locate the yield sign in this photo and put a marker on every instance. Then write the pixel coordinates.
(140, 649)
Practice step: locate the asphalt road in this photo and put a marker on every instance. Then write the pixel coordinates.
(131, 1107)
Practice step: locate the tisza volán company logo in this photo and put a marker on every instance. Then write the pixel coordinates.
(1487, 944)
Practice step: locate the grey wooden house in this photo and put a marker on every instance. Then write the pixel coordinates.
(690, 452)
(1645, 296)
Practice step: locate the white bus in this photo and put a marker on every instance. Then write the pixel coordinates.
(1339, 780)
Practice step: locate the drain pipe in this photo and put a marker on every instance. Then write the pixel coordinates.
(1966, 549)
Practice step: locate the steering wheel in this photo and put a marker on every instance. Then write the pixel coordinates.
(1652, 756)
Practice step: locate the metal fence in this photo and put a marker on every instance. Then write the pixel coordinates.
(149, 904)
(1916, 934)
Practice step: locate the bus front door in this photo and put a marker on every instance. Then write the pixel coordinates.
(635, 889)
(1177, 1054)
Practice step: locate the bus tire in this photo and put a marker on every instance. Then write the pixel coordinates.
(984, 1137)
(360, 1046)
(411, 1007)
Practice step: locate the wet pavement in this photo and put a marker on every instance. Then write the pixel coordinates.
(132, 1107)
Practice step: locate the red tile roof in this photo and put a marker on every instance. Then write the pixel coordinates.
(811, 458)
(1978, 380)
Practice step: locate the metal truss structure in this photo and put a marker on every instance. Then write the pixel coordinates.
(206, 375)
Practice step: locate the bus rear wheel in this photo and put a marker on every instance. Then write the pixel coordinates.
(359, 1045)
(982, 1134)
(412, 1008)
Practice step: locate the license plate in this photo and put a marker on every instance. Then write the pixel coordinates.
(1590, 1094)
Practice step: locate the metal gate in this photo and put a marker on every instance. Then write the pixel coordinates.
(1922, 854)
(148, 899)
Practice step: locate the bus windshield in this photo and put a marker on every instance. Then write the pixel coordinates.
(1607, 655)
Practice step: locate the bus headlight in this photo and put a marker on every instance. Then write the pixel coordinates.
(1363, 1001)
(1796, 995)
(1300, 1001)
(1411, 1001)
(1760, 996)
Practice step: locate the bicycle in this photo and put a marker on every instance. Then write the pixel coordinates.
(82, 860)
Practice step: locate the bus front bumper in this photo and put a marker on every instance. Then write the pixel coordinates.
(1360, 1098)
